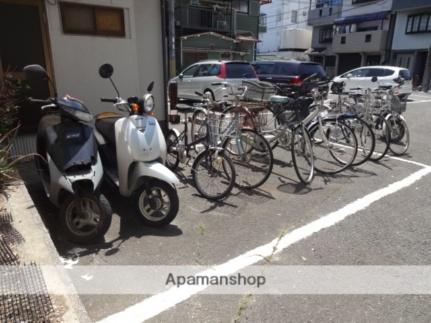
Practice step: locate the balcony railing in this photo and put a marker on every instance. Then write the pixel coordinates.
(363, 41)
(204, 19)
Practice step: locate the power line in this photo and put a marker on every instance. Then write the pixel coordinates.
(316, 19)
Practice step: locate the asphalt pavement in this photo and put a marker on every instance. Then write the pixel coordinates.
(393, 230)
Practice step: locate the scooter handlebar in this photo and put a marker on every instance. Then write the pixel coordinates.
(108, 100)
(44, 102)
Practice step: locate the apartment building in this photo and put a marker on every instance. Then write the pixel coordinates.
(411, 45)
(284, 31)
(321, 17)
(363, 34)
(216, 29)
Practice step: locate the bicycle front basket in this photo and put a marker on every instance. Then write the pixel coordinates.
(397, 105)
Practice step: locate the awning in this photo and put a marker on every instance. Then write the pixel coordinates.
(209, 33)
(360, 18)
(247, 38)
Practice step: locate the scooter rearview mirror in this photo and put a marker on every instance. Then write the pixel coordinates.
(150, 86)
(106, 71)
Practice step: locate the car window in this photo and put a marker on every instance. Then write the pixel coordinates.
(239, 70)
(189, 72)
(264, 68)
(379, 72)
(287, 69)
(214, 70)
(361, 72)
(388, 72)
(309, 69)
(405, 74)
(204, 70)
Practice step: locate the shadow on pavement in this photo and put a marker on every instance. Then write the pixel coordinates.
(130, 225)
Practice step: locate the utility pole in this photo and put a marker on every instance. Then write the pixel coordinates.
(427, 72)
(171, 38)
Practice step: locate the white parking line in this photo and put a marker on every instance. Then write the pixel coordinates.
(420, 101)
(415, 95)
(407, 161)
(154, 305)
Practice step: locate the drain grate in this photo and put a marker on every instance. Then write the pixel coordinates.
(7, 256)
(5, 217)
(33, 306)
(10, 234)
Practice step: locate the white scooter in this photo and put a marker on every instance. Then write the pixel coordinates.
(69, 165)
(133, 151)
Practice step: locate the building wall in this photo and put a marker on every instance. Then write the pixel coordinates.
(279, 19)
(137, 58)
(403, 41)
(350, 9)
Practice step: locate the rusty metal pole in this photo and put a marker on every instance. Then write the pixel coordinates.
(427, 72)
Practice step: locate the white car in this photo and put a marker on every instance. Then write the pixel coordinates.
(361, 78)
(213, 77)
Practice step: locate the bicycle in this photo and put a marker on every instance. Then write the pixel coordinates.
(392, 108)
(367, 103)
(213, 172)
(329, 134)
(250, 152)
(277, 126)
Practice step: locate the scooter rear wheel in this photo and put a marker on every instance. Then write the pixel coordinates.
(86, 218)
(157, 205)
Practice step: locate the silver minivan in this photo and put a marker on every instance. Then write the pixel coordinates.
(215, 77)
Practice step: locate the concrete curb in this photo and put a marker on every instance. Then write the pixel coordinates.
(39, 248)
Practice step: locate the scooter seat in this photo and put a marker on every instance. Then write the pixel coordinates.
(106, 126)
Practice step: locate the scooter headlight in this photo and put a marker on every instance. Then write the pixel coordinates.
(148, 103)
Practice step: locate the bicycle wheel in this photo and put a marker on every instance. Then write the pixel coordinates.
(213, 174)
(334, 146)
(365, 138)
(382, 133)
(172, 156)
(302, 155)
(400, 135)
(252, 158)
(264, 122)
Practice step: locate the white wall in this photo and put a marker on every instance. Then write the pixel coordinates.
(296, 39)
(403, 41)
(279, 19)
(350, 9)
(76, 58)
(150, 60)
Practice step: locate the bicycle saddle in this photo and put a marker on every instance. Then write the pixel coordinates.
(279, 99)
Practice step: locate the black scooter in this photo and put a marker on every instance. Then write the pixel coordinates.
(69, 164)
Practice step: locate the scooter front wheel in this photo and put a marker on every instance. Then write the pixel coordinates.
(85, 218)
(157, 203)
